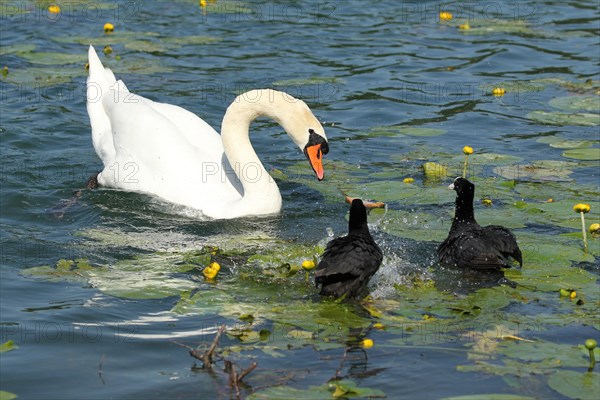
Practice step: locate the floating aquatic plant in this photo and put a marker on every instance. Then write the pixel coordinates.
(445, 16)
(583, 209)
(591, 344)
(499, 91)
(108, 27)
(466, 150)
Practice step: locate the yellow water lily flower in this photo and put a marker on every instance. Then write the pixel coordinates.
(487, 202)
(378, 325)
(108, 27)
(202, 3)
(581, 208)
(211, 271)
(464, 26)
(466, 150)
(308, 264)
(595, 229)
(498, 91)
(366, 343)
(445, 16)
(54, 9)
(408, 180)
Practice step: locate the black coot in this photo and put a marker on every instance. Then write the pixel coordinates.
(348, 262)
(471, 246)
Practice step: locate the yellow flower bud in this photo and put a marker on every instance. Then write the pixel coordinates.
(498, 91)
(366, 343)
(378, 325)
(581, 208)
(215, 265)
(487, 202)
(573, 295)
(468, 150)
(202, 3)
(445, 16)
(108, 27)
(595, 229)
(408, 180)
(55, 9)
(107, 50)
(308, 264)
(464, 26)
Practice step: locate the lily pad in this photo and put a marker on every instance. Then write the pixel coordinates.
(560, 143)
(104, 40)
(576, 385)
(9, 345)
(560, 118)
(36, 77)
(47, 58)
(405, 131)
(499, 26)
(490, 396)
(313, 80)
(343, 389)
(7, 395)
(592, 154)
(146, 46)
(435, 171)
(16, 48)
(533, 172)
(575, 103)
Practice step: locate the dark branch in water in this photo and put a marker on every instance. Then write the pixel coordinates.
(100, 368)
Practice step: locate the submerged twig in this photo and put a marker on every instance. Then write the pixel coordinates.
(207, 356)
(100, 368)
(247, 371)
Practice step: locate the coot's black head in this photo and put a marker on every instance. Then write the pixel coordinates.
(462, 186)
(358, 215)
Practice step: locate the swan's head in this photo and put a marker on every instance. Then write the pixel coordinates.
(306, 131)
(291, 113)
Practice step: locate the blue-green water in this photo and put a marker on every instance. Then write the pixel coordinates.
(368, 70)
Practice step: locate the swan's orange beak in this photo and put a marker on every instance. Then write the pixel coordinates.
(315, 157)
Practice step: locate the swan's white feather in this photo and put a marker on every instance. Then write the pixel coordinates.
(167, 151)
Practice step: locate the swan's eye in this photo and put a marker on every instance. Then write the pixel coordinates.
(315, 138)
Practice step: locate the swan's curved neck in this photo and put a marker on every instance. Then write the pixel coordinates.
(261, 194)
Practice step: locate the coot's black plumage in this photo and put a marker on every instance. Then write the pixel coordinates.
(348, 262)
(471, 246)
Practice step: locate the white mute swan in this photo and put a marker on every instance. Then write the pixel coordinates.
(168, 151)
